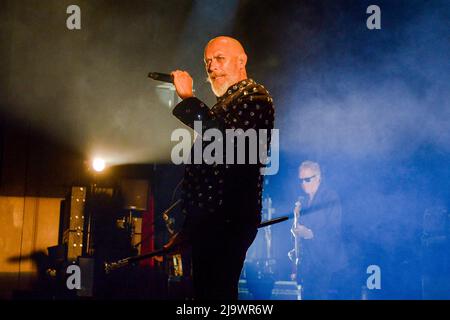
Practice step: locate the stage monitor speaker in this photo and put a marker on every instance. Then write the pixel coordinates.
(280, 290)
(135, 194)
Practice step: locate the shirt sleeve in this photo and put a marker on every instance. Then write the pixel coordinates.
(329, 229)
(193, 109)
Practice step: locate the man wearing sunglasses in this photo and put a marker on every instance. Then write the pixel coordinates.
(317, 232)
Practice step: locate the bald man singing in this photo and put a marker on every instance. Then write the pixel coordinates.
(222, 201)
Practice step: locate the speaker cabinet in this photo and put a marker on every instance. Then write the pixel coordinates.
(73, 222)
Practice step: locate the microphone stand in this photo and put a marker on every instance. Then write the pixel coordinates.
(127, 261)
(160, 252)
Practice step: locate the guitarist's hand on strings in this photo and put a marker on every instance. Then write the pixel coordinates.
(302, 231)
(299, 230)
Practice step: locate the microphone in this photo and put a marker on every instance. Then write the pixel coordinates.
(164, 77)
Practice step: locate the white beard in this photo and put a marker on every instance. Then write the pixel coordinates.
(219, 90)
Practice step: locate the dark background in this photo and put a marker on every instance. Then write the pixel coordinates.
(371, 106)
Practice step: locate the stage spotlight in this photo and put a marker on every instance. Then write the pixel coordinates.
(98, 164)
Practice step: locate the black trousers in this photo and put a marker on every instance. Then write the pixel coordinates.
(218, 255)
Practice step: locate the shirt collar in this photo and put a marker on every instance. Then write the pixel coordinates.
(235, 87)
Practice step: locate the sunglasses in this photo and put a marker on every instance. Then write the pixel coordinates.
(307, 180)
